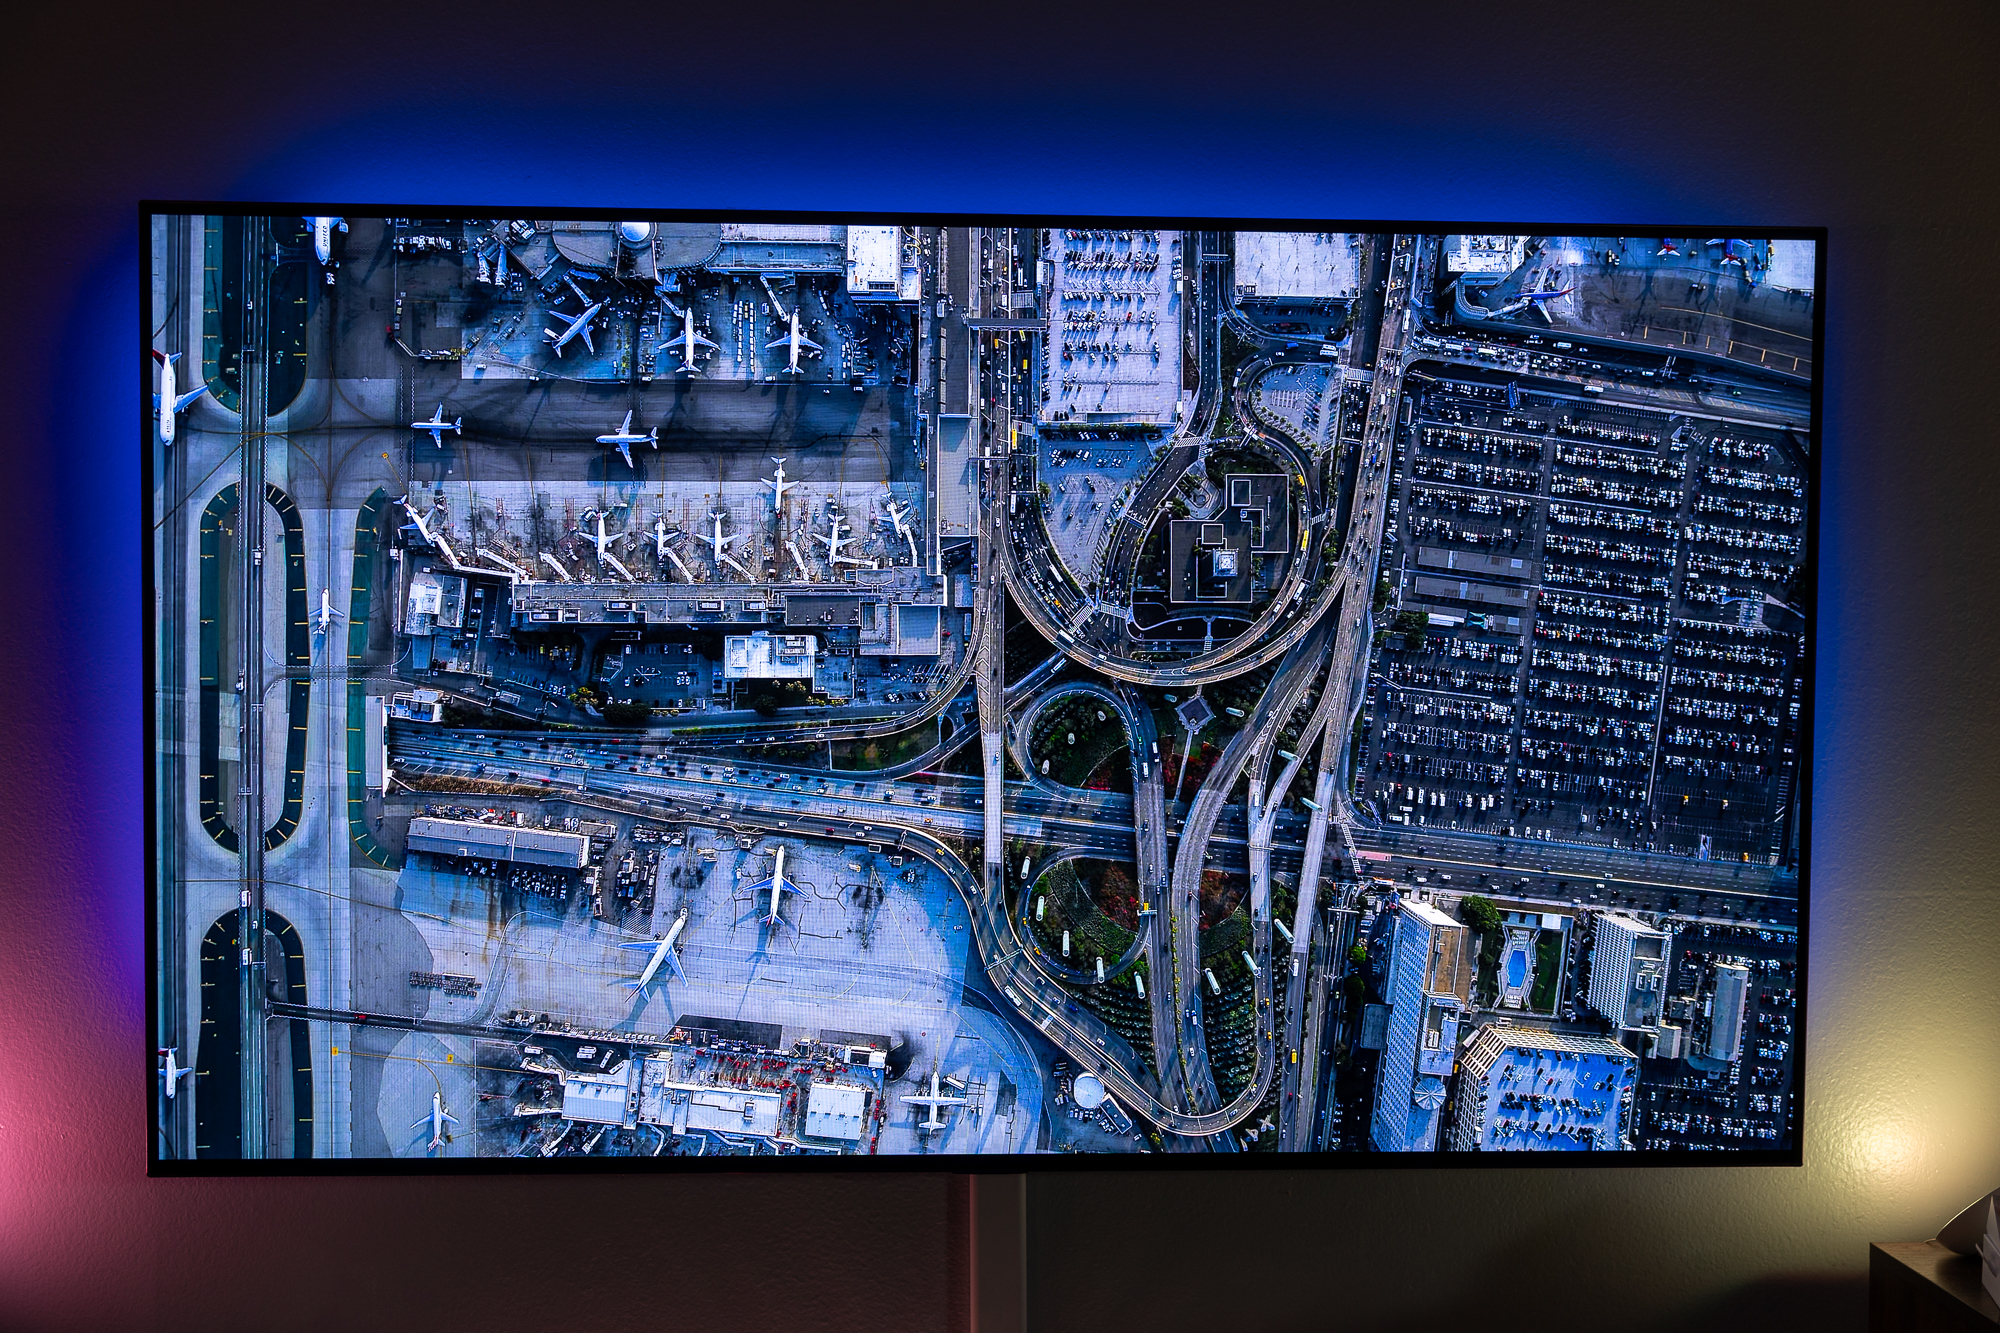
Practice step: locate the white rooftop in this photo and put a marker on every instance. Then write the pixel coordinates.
(1630, 924)
(1792, 265)
(598, 1098)
(807, 233)
(1484, 254)
(874, 256)
(732, 1111)
(764, 656)
(834, 1111)
(1307, 264)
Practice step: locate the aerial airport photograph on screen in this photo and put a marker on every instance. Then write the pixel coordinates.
(801, 689)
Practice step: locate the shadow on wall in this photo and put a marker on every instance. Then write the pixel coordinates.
(1783, 1302)
(1779, 1303)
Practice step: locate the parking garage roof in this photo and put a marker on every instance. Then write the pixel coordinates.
(466, 837)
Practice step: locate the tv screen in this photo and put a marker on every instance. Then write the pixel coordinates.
(677, 691)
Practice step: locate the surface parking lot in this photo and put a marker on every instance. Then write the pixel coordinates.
(1592, 633)
(1114, 326)
(1700, 1104)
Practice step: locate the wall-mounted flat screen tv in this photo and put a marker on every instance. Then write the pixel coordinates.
(669, 691)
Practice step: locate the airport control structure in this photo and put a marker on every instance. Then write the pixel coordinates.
(703, 689)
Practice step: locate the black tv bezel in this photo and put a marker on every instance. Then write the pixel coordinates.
(1014, 1164)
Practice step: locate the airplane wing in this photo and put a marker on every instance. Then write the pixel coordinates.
(809, 344)
(641, 944)
(700, 341)
(449, 1116)
(625, 427)
(764, 886)
(184, 401)
(674, 962)
(585, 331)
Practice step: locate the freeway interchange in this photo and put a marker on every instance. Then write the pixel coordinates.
(1304, 474)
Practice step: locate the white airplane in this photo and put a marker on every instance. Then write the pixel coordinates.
(625, 439)
(662, 551)
(795, 342)
(438, 1119)
(327, 615)
(323, 229)
(606, 541)
(835, 542)
(574, 325)
(1535, 301)
(779, 485)
(688, 341)
(778, 885)
(719, 542)
(437, 426)
(168, 403)
(421, 522)
(172, 1071)
(896, 516)
(663, 953)
(936, 1102)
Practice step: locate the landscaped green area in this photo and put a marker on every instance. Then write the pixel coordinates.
(1094, 901)
(1223, 894)
(1087, 898)
(1482, 919)
(1224, 939)
(1118, 1004)
(886, 751)
(1229, 1022)
(1083, 742)
(1486, 979)
(1548, 971)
